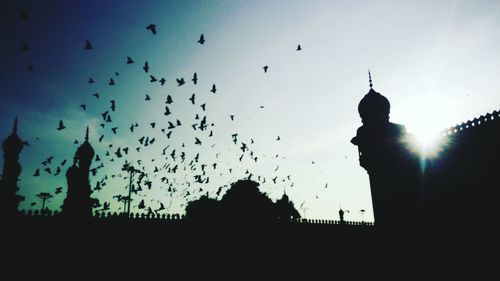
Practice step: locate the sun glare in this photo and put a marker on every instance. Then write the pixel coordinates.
(426, 143)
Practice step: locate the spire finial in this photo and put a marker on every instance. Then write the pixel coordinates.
(87, 134)
(14, 129)
(370, 79)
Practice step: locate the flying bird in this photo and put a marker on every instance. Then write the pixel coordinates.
(111, 82)
(192, 98)
(88, 46)
(195, 78)
(91, 81)
(152, 28)
(146, 67)
(203, 106)
(129, 60)
(197, 141)
(162, 81)
(299, 48)
(169, 100)
(113, 105)
(201, 40)
(37, 173)
(152, 78)
(96, 95)
(265, 68)
(180, 81)
(24, 15)
(61, 125)
(24, 47)
(114, 129)
(147, 97)
(83, 106)
(213, 89)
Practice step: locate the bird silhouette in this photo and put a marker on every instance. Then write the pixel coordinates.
(114, 129)
(111, 82)
(278, 138)
(197, 141)
(298, 48)
(162, 81)
(96, 95)
(24, 15)
(91, 81)
(58, 190)
(100, 138)
(180, 81)
(203, 106)
(61, 125)
(195, 78)
(87, 46)
(192, 98)
(152, 78)
(146, 67)
(153, 124)
(232, 117)
(25, 47)
(83, 106)
(169, 100)
(152, 27)
(265, 68)
(167, 111)
(37, 173)
(213, 89)
(113, 105)
(201, 40)
(129, 60)
(147, 97)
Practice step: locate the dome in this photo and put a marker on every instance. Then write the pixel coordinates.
(85, 152)
(374, 107)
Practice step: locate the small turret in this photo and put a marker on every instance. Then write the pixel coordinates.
(13, 144)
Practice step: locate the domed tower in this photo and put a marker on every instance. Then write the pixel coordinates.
(9, 200)
(78, 204)
(392, 168)
(286, 209)
(85, 154)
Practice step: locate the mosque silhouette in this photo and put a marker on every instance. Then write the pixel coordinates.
(434, 218)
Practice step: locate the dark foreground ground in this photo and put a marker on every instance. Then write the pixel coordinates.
(183, 251)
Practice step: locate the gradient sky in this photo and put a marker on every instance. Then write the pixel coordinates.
(436, 61)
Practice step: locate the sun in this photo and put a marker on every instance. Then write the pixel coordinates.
(426, 142)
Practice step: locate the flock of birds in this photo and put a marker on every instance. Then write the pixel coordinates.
(198, 171)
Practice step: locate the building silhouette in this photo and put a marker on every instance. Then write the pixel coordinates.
(392, 168)
(459, 184)
(9, 199)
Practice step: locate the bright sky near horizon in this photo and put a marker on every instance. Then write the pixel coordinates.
(436, 61)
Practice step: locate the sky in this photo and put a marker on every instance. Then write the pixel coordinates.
(436, 61)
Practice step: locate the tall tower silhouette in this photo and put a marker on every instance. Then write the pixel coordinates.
(78, 204)
(9, 200)
(393, 170)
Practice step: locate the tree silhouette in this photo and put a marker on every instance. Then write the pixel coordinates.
(44, 196)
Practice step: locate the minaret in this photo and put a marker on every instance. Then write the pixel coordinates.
(392, 169)
(78, 204)
(9, 200)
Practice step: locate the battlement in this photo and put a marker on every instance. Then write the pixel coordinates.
(479, 121)
(29, 216)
